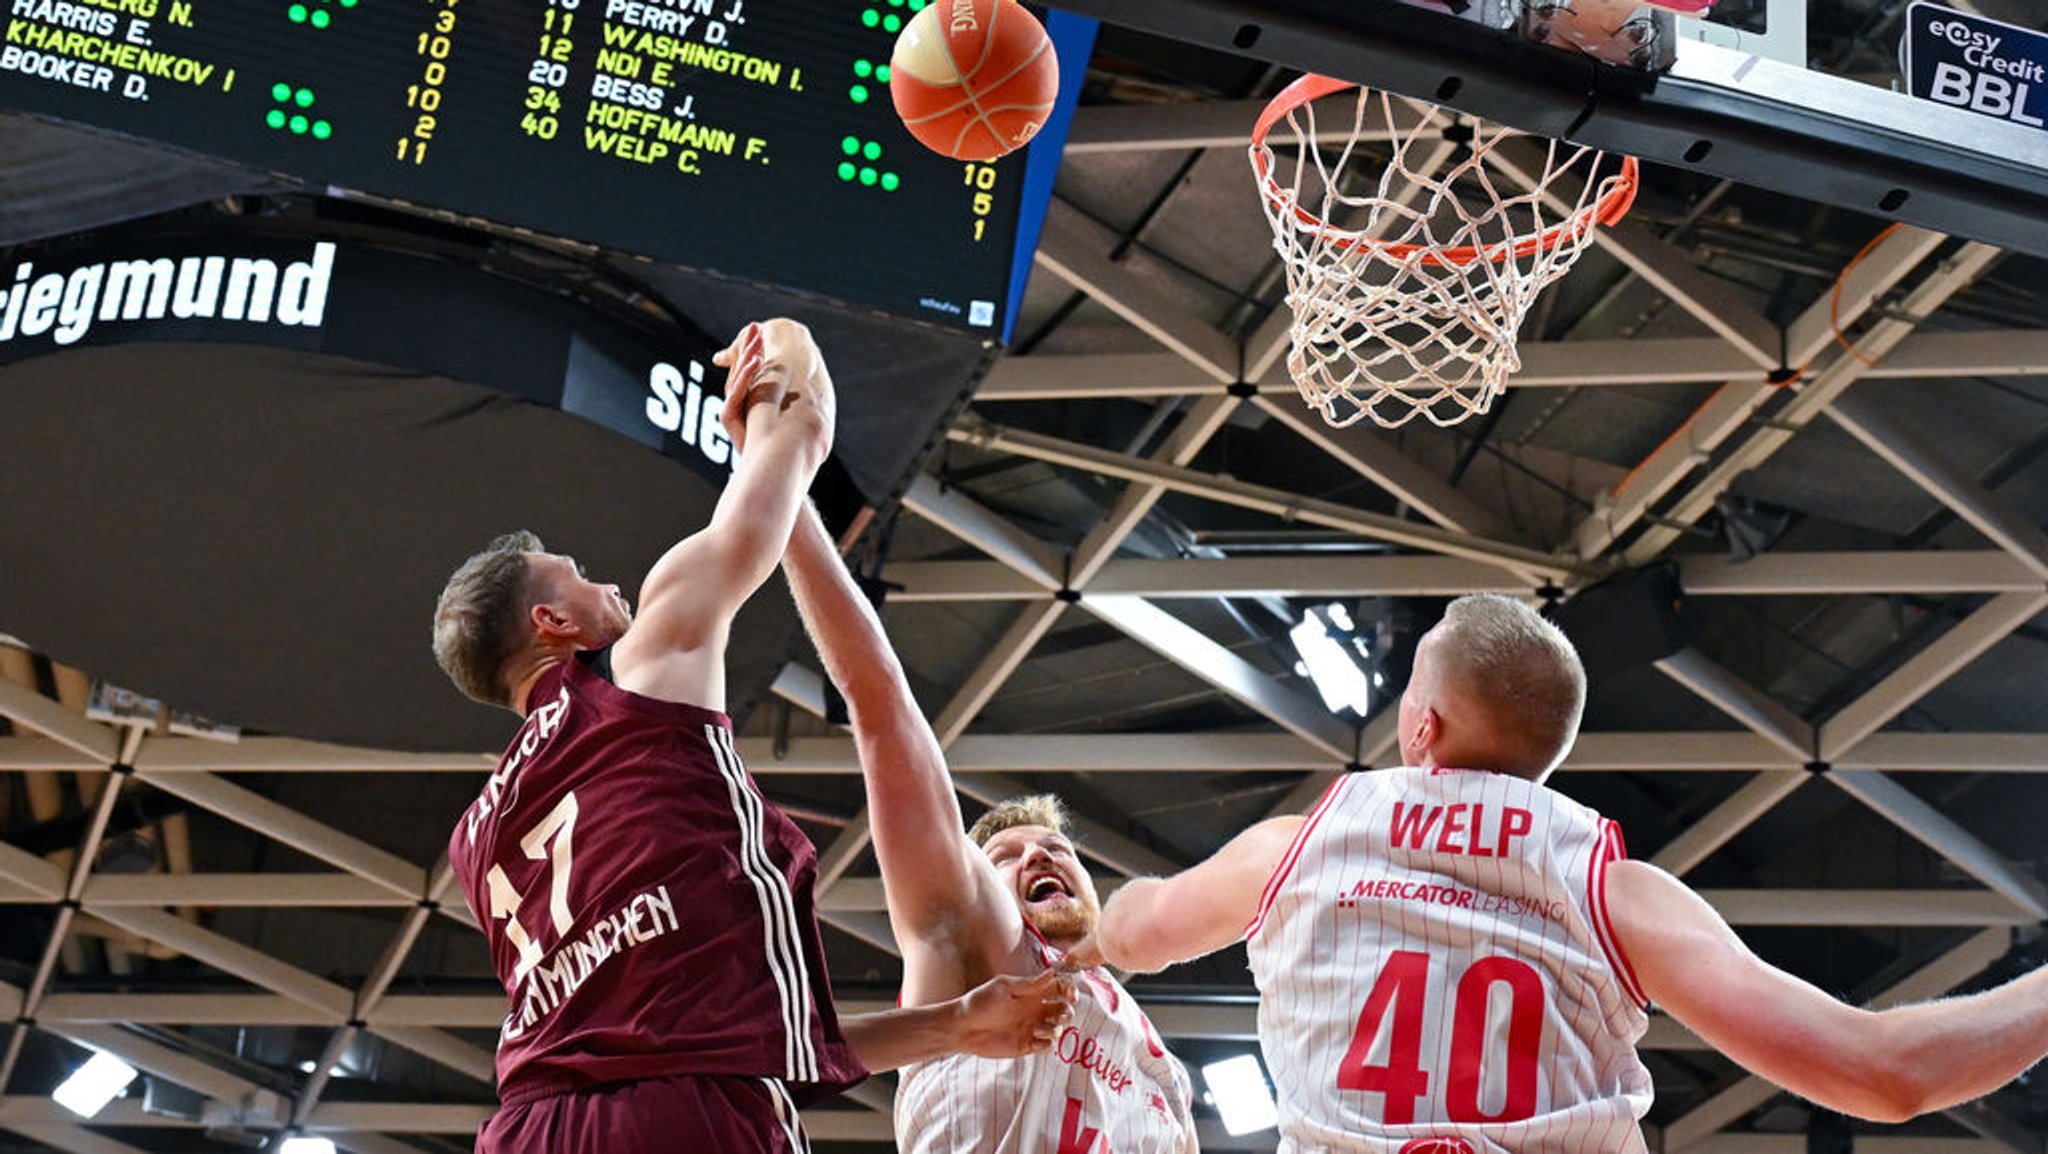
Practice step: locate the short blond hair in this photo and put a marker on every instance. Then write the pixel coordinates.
(1500, 654)
(480, 620)
(1042, 809)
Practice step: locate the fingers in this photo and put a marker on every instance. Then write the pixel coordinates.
(776, 362)
(1055, 993)
(744, 357)
(750, 335)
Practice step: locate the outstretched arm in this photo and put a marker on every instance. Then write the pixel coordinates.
(1004, 1017)
(1885, 1066)
(945, 903)
(1152, 923)
(780, 408)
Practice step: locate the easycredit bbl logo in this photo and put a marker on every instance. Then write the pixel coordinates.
(1966, 61)
(64, 304)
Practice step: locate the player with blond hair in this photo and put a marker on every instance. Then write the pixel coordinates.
(1453, 958)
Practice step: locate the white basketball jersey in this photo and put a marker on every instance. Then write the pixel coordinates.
(1437, 976)
(1107, 1086)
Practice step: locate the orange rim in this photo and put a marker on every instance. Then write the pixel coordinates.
(1610, 207)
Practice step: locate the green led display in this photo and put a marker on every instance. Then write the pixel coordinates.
(315, 14)
(888, 22)
(850, 171)
(298, 123)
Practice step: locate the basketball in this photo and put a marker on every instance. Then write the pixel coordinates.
(973, 79)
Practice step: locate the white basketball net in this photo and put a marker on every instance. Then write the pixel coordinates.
(1407, 295)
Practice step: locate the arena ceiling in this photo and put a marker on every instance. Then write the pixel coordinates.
(1091, 573)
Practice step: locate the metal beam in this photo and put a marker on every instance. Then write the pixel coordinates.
(1681, 752)
(1737, 698)
(1951, 276)
(295, 829)
(1182, 644)
(1072, 247)
(994, 670)
(1729, 410)
(165, 1062)
(44, 880)
(2007, 526)
(239, 889)
(163, 755)
(1566, 364)
(1872, 572)
(1596, 364)
(1187, 440)
(445, 1049)
(1949, 753)
(1720, 824)
(1928, 668)
(400, 1117)
(1941, 834)
(182, 1010)
(1712, 302)
(25, 707)
(225, 954)
(1278, 502)
(29, 753)
(1056, 377)
(974, 523)
(1867, 908)
(1366, 451)
(1988, 353)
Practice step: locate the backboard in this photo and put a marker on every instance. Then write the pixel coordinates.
(1738, 97)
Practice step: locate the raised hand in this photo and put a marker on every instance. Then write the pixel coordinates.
(775, 367)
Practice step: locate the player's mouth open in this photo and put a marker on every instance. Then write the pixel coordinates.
(1045, 889)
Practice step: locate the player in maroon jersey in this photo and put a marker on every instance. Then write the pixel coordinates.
(649, 912)
(1479, 899)
(1005, 902)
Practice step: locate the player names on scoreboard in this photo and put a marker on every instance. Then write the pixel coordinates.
(105, 47)
(641, 108)
(732, 136)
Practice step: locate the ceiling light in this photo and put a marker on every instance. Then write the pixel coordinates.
(1336, 676)
(90, 1087)
(300, 1144)
(1238, 1087)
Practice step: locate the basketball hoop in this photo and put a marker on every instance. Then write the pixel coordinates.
(1406, 298)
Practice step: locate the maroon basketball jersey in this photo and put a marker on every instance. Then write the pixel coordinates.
(649, 913)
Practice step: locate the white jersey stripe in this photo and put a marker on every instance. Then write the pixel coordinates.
(785, 928)
(1607, 851)
(786, 1113)
(1293, 853)
(778, 910)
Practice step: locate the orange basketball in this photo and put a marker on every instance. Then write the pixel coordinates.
(973, 79)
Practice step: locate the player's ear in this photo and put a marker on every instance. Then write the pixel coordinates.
(549, 621)
(1425, 727)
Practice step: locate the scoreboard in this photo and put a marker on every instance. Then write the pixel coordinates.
(749, 138)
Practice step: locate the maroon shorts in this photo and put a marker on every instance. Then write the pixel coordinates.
(729, 1114)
